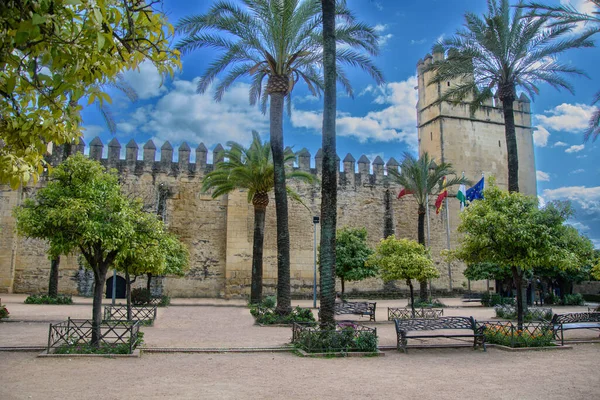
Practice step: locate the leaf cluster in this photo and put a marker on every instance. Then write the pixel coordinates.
(352, 252)
(53, 54)
(402, 259)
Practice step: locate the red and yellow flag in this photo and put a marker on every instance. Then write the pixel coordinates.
(439, 202)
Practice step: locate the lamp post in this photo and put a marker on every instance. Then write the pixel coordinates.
(315, 222)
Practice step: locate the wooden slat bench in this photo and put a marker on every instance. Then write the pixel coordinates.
(361, 308)
(569, 321)
(405, 326)
(406, 313)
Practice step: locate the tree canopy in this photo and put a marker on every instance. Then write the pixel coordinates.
(53, 54)
(351, 253)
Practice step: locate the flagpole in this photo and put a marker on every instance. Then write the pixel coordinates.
(448, 237)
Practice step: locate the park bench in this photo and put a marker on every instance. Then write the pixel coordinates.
(471, 297)
(361, 308)
(569, 321)
(412, 328)
(406, 313)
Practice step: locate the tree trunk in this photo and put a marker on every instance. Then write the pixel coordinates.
(327, 254)
(53, 280)
(521, 305)
(284, 302)
(412, 296)
(511, 139)
(343, 285)
(128, 293)
(421, 238)
(148, 282)
(257, 254)
(99, 281)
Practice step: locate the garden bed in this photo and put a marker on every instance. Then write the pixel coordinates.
(533, 334)
(74, 336)
(145, 315)
(345, 337)
(532, 313)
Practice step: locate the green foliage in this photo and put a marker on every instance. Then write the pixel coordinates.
(494, 299)
(264, 313)
(352, 252)
(508, 229)
(431, 303)
(596, 271)
(45, 299)
(575, 299)
(53, 54)
(345, 340)
(511, 337)
(165, 301)
(402, 259)
(3, 312)
(103, 348)
(551, 298)
(251, 169)
(289, 45)
(140, 296)
(532, 314)
(484, 270)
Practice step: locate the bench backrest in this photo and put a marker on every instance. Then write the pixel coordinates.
(434, 324)
(354, 306)
(570, 318)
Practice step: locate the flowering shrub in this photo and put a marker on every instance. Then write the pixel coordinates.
(507, 334)
(3, 312)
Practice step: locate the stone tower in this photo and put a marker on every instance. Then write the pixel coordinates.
(473, 144)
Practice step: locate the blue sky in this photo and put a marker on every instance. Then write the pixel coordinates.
(378, 120)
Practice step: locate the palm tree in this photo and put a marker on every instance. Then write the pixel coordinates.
(502, 51)
(568, 15)
(280, 41)
(423, 178)
(327, 255)
(251, 169)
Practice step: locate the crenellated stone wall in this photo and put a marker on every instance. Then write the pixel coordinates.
(219, 231)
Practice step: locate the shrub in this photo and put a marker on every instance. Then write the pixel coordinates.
(264, 313)
(45, 299)
(494, 299)
(141, 297)
(165, 301)
(345, 339)
(532, 314)
(573, 300)
(508, 335)
(103, 348)
(431, 303)
(551, 298)
(3, 312)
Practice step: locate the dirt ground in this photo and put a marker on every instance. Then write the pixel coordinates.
(212, 323)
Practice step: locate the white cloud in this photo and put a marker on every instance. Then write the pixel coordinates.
(582, 156)
(541, 202)
(577, 171)
(420, 41)
(567, 117)
(575, 148)
(147, 82)
(383, 37)
(560, 144)
(540, 136)
(542, 176)
(396, 122)
(582, 6)
(579, 226)
(184, 115)
(91, 131)
(587, 198)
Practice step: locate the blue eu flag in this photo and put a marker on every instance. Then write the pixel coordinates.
(476, 192)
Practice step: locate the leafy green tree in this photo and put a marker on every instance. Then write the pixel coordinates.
(82, 209)
(422, 178)
(251, 169)
(509, 229)
(496, 53)
(351, 254)
(53, 54)
(567, 14)
(403, 259)
(280, 41)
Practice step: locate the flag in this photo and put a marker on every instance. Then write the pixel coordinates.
(404, 192)
(462, 196)
(440, 199)
(476, 192)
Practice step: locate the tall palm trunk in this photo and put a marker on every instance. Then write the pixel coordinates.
(421, 237)
(507, 96)
(260, 201)
(277, 88)
(329, 178)
(53, 280)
